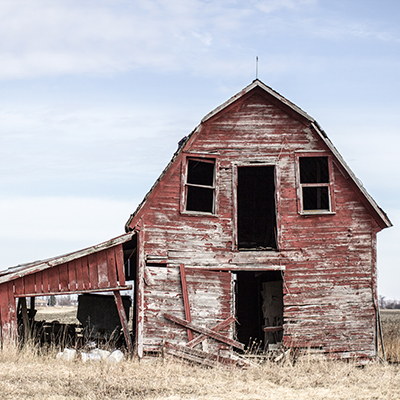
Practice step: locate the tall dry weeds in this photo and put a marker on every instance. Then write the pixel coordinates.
(25, 374)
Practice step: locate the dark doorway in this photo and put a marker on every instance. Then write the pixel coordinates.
(259, 305)
(256, 208)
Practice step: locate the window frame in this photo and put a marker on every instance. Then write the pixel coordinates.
(329, 185)
(185, 185)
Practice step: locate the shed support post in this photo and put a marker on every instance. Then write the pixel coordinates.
(186, 303)
(124, 320)
(25, 318)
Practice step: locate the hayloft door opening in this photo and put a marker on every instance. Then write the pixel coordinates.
(256, 214)
(259, 308)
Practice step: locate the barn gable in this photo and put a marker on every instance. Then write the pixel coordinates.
(287, 108)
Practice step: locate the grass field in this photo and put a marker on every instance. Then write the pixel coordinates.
(25, 375)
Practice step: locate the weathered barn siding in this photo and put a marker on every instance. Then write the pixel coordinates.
(209, 296)
(328, 259)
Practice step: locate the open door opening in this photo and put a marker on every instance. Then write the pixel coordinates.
(256, 214)
(259, 308)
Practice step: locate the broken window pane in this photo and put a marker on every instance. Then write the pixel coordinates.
(200, 185)
(200, 173)
(314, 170)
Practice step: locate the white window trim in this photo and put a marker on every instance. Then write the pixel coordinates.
(185, 185)
(330, 184)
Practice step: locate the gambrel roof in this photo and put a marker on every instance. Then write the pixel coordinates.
(378, 214)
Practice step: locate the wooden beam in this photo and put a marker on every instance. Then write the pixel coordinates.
(216, 328)
(124, 320)
(205, 331)
(273, 328)
(110, 289)
(186, 300)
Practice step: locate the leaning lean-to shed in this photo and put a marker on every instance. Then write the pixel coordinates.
(257, 230)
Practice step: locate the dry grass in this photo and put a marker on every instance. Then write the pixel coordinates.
(32, 374)
(25, 375)
(391, 334)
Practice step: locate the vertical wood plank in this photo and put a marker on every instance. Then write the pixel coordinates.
(4, 313)
(72, 275)
(139, 293)
(19, 287)
(85, 272)
(79, 274)
(12, 312)
(102, 269)
(93, 274)
(29, 283)
(54, 280)
(8, 313)
(119, 257)
(186, 300)
(63, 273)
(112, 268)
(39, 282)
(45, 281)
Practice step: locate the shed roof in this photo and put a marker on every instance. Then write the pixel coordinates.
(22, 270)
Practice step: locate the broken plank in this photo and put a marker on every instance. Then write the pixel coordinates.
(216, 328)
(200, 356)
(205, 331)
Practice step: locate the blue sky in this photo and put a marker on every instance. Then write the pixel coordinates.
(95, 95)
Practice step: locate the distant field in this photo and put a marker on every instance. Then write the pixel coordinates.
(391, 334)
(64, 314)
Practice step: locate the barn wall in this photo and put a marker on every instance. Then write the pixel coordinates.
(209, 294)
(328, 259)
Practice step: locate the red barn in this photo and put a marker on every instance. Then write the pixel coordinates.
(257, 230)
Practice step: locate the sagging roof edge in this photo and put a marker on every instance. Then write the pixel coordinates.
(257, 83)
(382, 215)
(26, 269)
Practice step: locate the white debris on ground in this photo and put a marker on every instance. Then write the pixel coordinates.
(115, 356)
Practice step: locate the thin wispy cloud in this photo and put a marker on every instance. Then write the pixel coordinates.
(54, 38)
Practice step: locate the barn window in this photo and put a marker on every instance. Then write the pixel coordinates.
(200, 185)
(315, 184)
